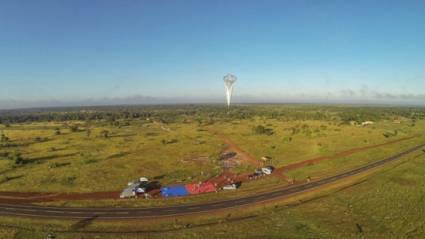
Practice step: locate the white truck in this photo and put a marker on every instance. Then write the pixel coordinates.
(267, 170)
(134, 188)
(232, 186)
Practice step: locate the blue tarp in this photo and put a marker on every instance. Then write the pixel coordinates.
(174, 191)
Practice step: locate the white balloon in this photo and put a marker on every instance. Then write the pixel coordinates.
(229, 80)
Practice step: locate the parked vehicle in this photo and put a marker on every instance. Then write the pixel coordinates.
(147, 186)
(232, 186)
(130, 190)
(267, 170)
(137, 187)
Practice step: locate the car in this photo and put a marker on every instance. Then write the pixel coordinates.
(147, 186)
(129, 191)
(267, 170)
(232, 186)
(135, 187)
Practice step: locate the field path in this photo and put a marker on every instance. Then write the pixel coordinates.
(346, 153)
(225, 178)
(114, 213)
(234, 147)
(279, 172)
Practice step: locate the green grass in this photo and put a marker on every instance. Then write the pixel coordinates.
(385, 204)
(174, 153)
(334, 166)
(253, 187)
(102, 164)
(326, 138)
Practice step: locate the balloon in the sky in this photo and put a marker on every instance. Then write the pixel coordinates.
(229, 80)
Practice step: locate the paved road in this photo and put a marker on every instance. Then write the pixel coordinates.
(132, 213)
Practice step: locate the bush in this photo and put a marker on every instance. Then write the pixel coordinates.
(4, 155)
(57, 165)
(89, 161)
(389, 134)
(74, 128)
(69, 180)
(4, 138)
(17, 158)
(40, 139)
(171, 141)
(260, 129)
(287, 139)
(104, 134)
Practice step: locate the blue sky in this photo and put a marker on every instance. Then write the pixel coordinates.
(78, 52)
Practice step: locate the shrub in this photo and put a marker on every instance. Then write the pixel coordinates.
(104, 134)
(57, 165)
(69, 180)
(287, 139)
(389, 134)
(17, 158)
(4, 138)
(74, 128)
(40, 139)
(260, 129)
(170, 141)
(89, 161)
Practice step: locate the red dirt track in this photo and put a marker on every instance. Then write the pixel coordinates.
(337, 155)
(221, 180)
(244, 155)
(33, 197)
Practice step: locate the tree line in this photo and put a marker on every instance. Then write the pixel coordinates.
(208, 114)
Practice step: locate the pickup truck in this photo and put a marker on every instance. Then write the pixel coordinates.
(141, 186)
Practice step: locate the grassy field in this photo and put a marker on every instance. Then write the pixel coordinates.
(178, 145)
(387, 203)
(77, 162)
(57, 158)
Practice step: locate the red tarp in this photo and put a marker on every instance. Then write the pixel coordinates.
(200, 188)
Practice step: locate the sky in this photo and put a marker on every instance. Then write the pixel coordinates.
(117, 52)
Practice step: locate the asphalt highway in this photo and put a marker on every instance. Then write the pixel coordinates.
(27, 210)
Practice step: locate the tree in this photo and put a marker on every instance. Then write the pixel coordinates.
(74, 128)
(4, 138)
(17, 158)
(105, 133)
(260, 129)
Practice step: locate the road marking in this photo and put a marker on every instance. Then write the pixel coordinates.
(50, 212)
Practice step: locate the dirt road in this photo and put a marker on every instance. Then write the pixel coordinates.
(133, 213)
